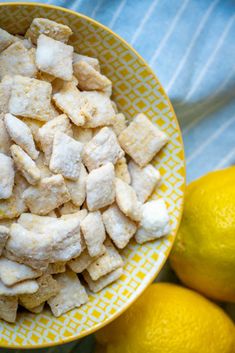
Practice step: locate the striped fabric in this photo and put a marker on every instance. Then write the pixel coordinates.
(190, 46)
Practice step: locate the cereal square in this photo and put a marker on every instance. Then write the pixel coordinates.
(25, 165)
(71, 101)
(48, 287)
(54, 57)
(127, 200)
(17, 60)
(110, 261)
(49, 194)
(121, 170)
(94, 233)
(31, 98)
(66, 156)
(89, 79)
(12, 272)
(143, 180)
(100, 187)
(102, 282)
(142, 140)
(77, 188)
(47, 133)
(21, 134)
(103, 110)
(102, 149)
(50, 28)
(155, 221)
(71, 295)
(119, 227)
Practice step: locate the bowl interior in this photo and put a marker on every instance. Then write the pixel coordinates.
(136, 89)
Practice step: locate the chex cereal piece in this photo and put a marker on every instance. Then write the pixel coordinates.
(127, 200)
(49, 194)
(31, 98)
(54, 57)
(119, 227)
(28, 247)
(41, 164)
(5, 93)
(17, 60)
(121, 170)
(7, 175)
(47, 132)
(103, 109)
(12, 272)
(14, 205)
(21, 134)
(51, 28)
(5, 141)
(67, 239)
(77, 189)
(102, 282)
(28, 286)
(100, 187)
(80, 263)
(143, 180)
(88, 59)
(71, 101)
(142, 140)
(8, 308)
(66, 156)
(110, 261)
(38, 309)
(25, 165)
(68, 208)
(6, 39)
(119, 123)
(89, 79)
(48, 287)
(57, 267)
(81, 134)
(37, 241)
(94, 233)
(71, 295)
(34, 126)
(65, 242)
(154, 222)
(103, 148)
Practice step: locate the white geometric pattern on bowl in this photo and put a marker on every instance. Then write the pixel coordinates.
(136, 89)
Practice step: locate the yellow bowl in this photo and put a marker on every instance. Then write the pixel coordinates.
(136, 89)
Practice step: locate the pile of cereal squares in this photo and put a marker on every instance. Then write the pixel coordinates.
(75, 177)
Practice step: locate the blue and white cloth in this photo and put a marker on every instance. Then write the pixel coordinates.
(190, 45)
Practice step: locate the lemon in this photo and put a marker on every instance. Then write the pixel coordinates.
(203, 255)
(169, 319)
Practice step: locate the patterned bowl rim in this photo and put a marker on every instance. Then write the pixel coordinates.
(128, 304)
